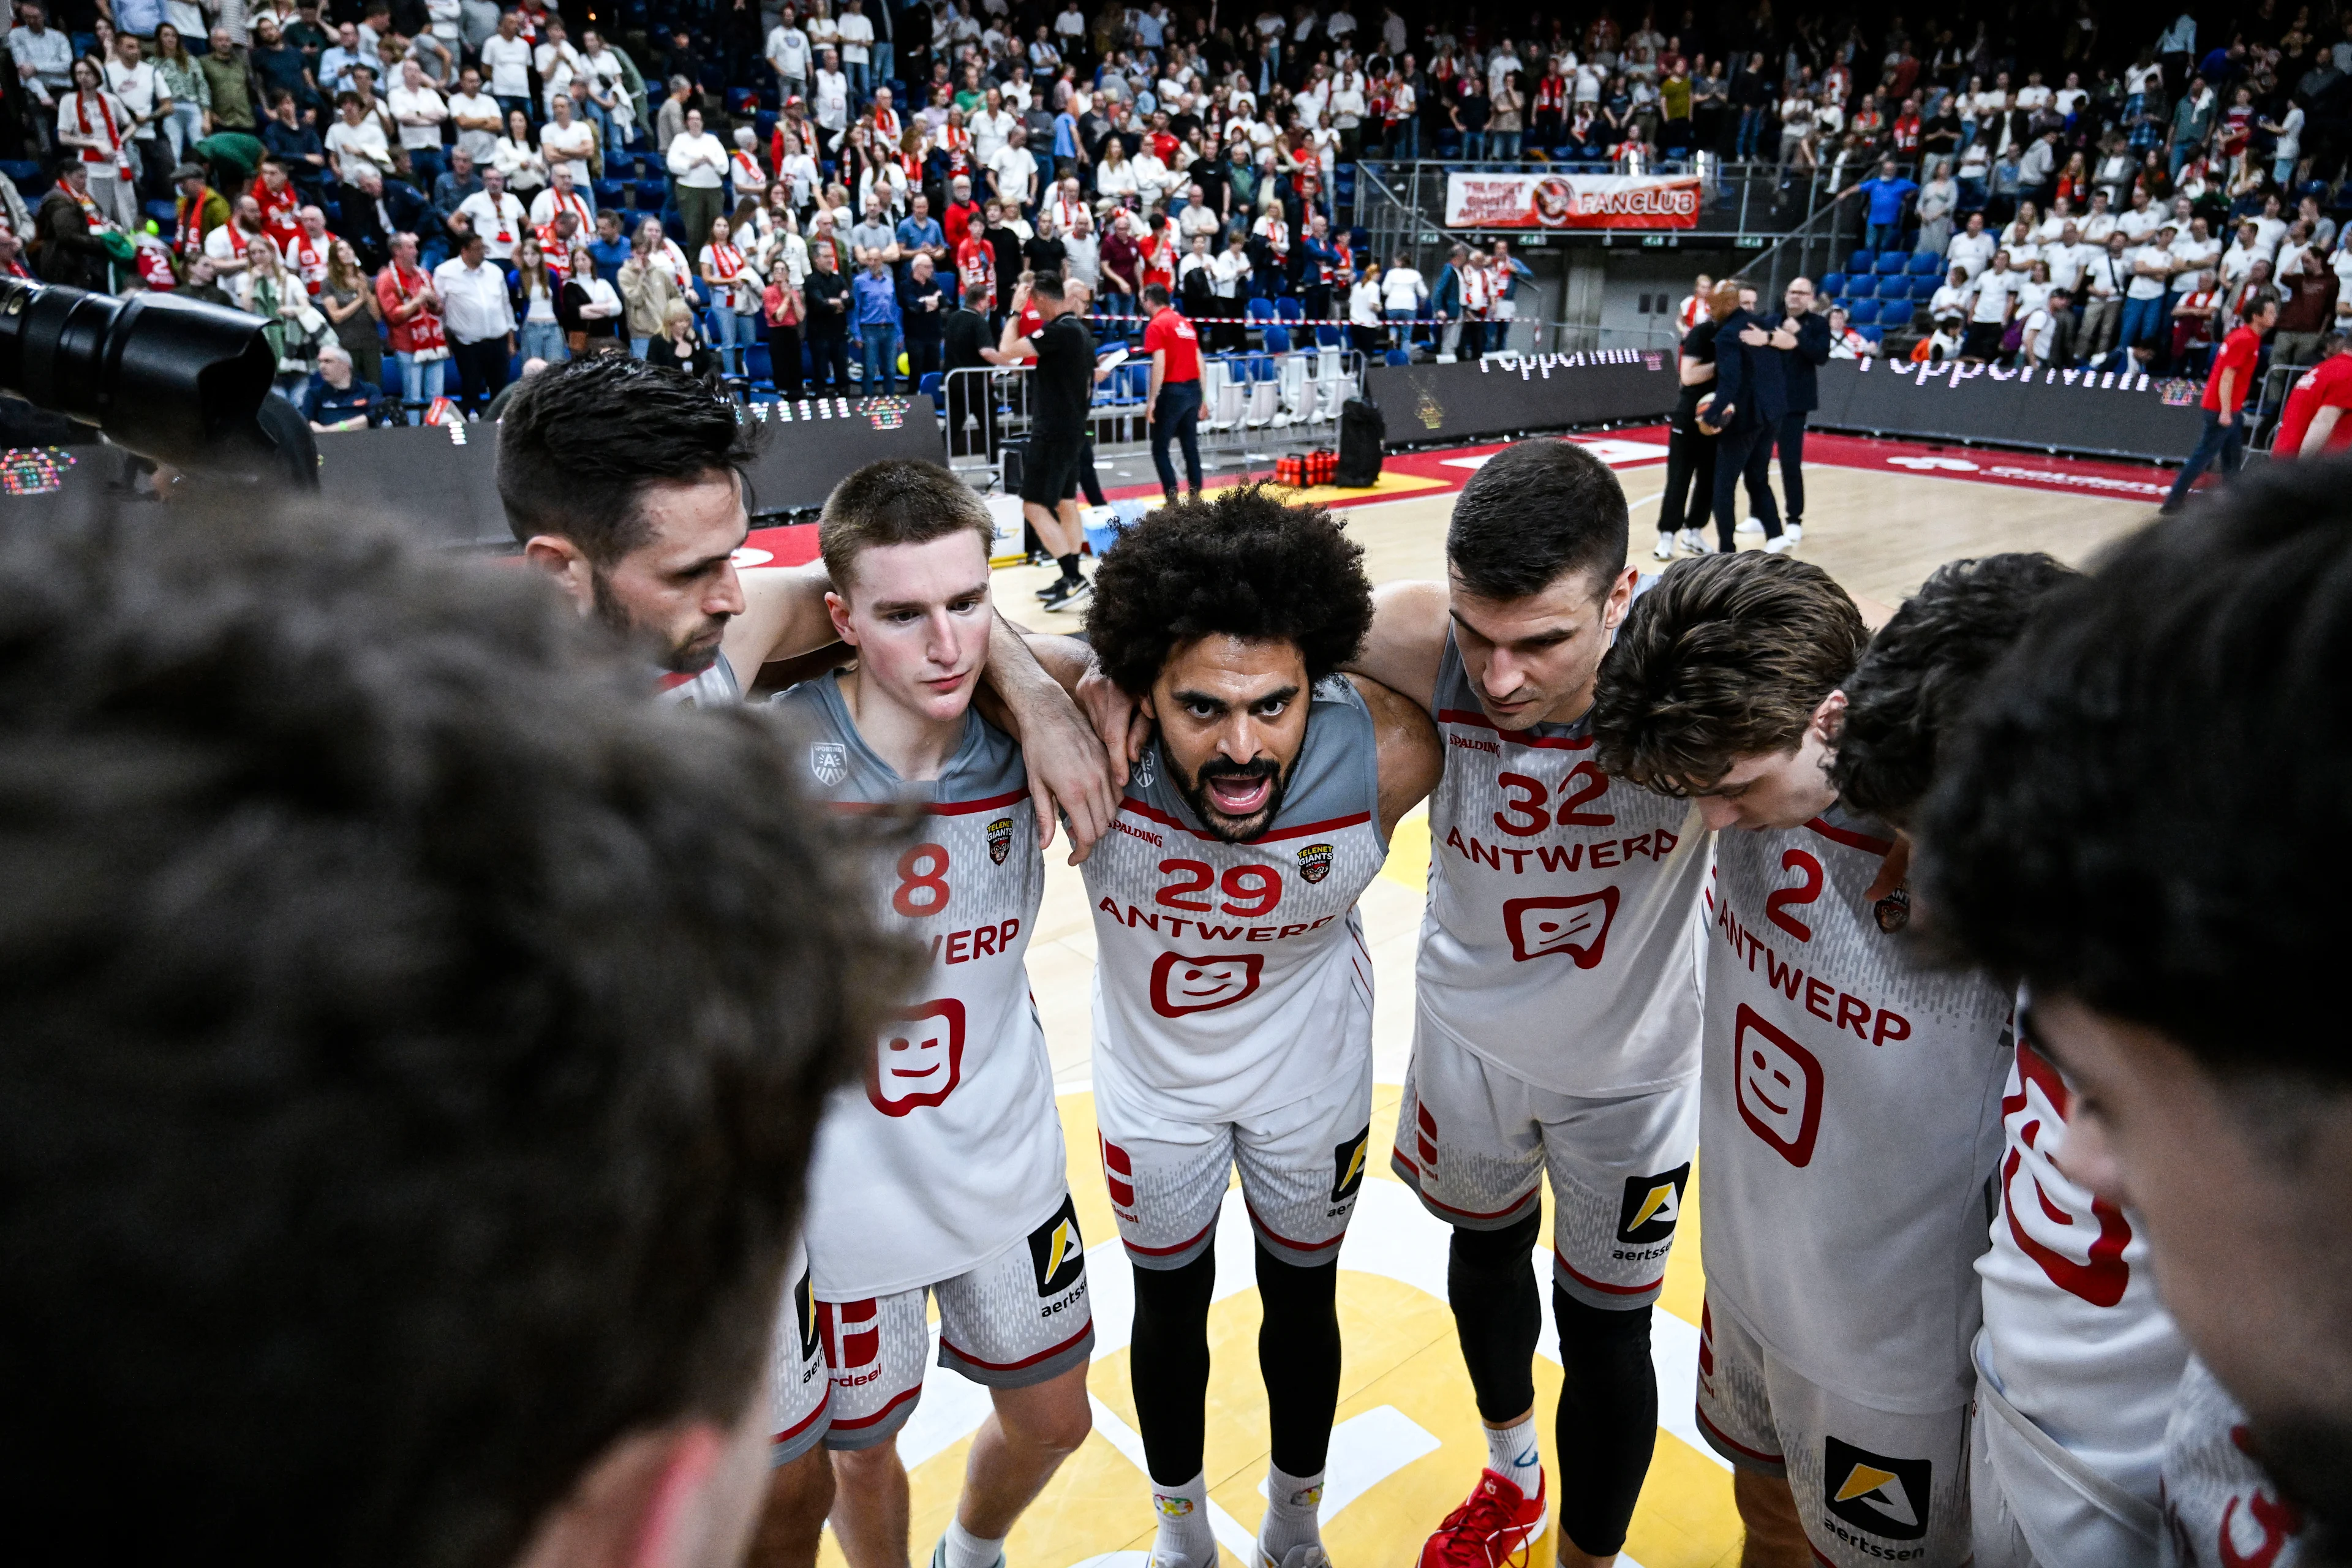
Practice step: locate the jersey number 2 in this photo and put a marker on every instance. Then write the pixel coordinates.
(1776, 908)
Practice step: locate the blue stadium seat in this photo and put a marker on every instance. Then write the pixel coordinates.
(1926, 263)
(1290, 309)
(1863, 311)
(1330, 337)
(932, 384)
(1278, 339)
(1862, 261)
(1891, 263)
(1832, 285)
(1875, 334)
(612, 193)
(1258, 311)
(1398, 356)
(1924, 289)
(756, 365)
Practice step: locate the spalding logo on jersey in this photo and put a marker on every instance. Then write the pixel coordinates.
(852, 1333)
(918, 1057)
(999, 840)
(1652, 1204)
(829, 760)
(1577, 926)
(1315, 862)
(1778, 1084)
(1057, 1254)
(1347, 1167)
(1182, 984)
(1871, 1493)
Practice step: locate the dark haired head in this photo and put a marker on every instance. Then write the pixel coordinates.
(581, 442)
(898, 502)
(1155, 296)
(1045, 286)
(1243, 565)
(1923, 668)
(411, 1047)
(1536, 510)
(1727, 657)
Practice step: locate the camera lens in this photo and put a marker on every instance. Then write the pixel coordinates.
(175, 380)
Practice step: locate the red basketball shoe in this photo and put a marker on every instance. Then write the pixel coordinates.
(1494, 1528)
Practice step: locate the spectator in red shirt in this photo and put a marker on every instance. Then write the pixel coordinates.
(2225, 396)
(962, 215)
(975, 263)
(2312, 421)
(1174, 395)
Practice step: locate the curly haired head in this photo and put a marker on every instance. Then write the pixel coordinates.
(1243, 565)
(1727, 657)
(1923, 668)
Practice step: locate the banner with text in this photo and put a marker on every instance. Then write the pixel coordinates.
(1571, 201)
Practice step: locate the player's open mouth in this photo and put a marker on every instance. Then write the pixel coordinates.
(1237, 796)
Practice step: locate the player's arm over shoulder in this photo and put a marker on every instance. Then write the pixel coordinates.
(1412, 752)
(783, 617)
(1407, 641)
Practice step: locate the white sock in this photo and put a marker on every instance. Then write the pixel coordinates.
(961, 1548)
(1184, 1539)
(1512, 1453)
(1292, 1505)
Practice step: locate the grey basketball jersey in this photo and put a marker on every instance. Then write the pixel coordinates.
(1560, 939)
(951, 1149)
(713, 688)
(1234, 977)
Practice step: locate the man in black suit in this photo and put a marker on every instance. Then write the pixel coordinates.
(1801, 338)
(1749, 400)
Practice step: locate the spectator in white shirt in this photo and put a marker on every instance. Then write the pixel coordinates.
(1013, 173)
(856, 31)
(1972, 249)
(2071, 97)
(355, 139)
(494, 215)
(2242, 256)
(419, 112)
(562, 196)
(2067, 255)
(2270, 227)
(2038, 340)
(698, 167)
(477, 116)
(2192, 252)
(1114, 174)
(788, 56)
(991, 129)
(141, 91)
(1989, 316)
(1404, 291)
(1950, 301)
(831, 108)
(2141, 221)
(507, 55)
(557, 60)
(2033, 95)
(570, 142)
(2097, 223)
(477, 318)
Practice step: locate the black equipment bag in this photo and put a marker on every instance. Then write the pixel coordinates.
(1363, 441)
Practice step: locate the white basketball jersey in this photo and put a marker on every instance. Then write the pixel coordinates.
(1234, 977)
(2073, 1335)
(2219, 1509)
(1851, 1118)
(713, 688)
(950, 1147)
(1557, 940)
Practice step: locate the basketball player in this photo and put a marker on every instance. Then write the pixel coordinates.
(1233, 993)
(2177, 947)
(942, 1173)
(1851, 1107)
(1555, 1027)
(623, 482)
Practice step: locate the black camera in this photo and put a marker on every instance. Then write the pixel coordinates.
(183, 382)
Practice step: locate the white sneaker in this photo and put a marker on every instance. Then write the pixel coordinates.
(1751, 525)
(1693, 541)
(1796, 533)
(1779, 546)
(1666, 550)
(1308, 1556)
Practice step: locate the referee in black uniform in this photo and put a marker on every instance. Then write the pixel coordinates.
(1058, 409)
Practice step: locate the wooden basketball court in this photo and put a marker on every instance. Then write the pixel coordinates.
(1880, 517)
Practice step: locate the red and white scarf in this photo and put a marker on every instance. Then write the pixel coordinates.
(113, 153)
(307, 259)
(748, 172)
(887, 124)
(572, 202)
(189, 231)
(422, 330)
(552, 251)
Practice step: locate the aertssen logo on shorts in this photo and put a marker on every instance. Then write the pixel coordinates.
(804, 1312)
(829, 760)
(1315, 862)
(999, 840)
(1056, 1254)
(1871, 1493)
(1347, 1167)
(1652, 1204)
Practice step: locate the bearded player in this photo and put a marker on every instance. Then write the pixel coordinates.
(1234, 998)
(1850, 1107)
(942, 1176)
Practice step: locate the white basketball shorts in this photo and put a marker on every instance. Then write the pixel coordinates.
(799, 1383)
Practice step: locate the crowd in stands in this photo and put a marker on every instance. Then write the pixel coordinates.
(806, 194)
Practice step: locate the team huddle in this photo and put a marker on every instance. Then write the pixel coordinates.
(1668, 906)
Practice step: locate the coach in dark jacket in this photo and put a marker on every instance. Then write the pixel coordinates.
(1750, 400)
(1801, 336)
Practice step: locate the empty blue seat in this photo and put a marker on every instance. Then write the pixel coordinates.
(1891, 263)
(1398, 356)
(1862, 261)
(1832, 285)
(931, 385)
(1258, 310)
(1862, 288)
(1926, 263)
(1875, 334)
(758, 365)
(1289, 308)
(1924, 289)
(1278, 339)
(1862, 311)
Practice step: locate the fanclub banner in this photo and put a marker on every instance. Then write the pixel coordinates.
(1542, 201)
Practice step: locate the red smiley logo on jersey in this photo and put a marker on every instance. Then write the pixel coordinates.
(1779, 1086)
(1577, 926)
(2081, 1252)
(918, 1057)
(1182, 983)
